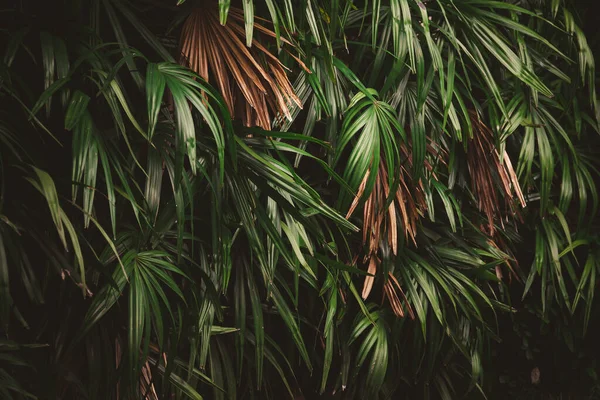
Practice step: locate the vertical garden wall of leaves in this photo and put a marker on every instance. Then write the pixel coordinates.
(304, 199)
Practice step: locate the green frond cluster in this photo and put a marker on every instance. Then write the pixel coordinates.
(295, 199)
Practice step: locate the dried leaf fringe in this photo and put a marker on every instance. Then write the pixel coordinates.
(253, 82)
(491, 174)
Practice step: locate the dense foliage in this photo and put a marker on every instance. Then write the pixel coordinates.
(316, 198)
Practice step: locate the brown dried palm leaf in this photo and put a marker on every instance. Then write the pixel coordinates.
(405, 211)
(486, 168)
(391, 288)
(146, 384)
(369, 280)
(410, 199)
(253, 82)
(381, 223)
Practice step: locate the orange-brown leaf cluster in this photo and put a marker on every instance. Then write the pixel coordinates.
(253, 82)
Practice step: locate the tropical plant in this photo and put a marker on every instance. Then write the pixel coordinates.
(269, 199)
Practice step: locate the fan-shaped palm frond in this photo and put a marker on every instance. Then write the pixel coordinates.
(253, 81)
